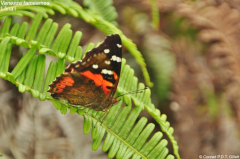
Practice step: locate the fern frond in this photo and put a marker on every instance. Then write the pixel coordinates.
(125, 137)
(109, 28)
(16, 13)
(102, 7)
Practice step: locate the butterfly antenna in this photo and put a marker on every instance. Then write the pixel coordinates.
(133, 92)
(103, 116)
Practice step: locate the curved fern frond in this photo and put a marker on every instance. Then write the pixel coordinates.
(109, 28)
(125, 137)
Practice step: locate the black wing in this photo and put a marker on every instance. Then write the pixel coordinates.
(105, 60)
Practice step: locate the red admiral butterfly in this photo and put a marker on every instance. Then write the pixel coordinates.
(93, 81)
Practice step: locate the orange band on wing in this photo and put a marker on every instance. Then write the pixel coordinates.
(99, 81)
(97, 78)
(104, 86)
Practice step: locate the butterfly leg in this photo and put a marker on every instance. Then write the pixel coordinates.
(103, 116)
(87, 105)
(106, 111)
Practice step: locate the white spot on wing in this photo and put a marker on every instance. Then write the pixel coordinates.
(77, 66)
(114, 58)
(110, 72)
(107, 62)
(83, 63)
(118, 45)
(106, 51)
(104, 71)
(119, 59)
(95, 66)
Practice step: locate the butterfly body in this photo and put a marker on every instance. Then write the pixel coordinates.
(92, 82)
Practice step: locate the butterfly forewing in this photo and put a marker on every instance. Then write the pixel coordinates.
(104, 59)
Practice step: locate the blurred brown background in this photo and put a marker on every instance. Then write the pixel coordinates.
(193, 58)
